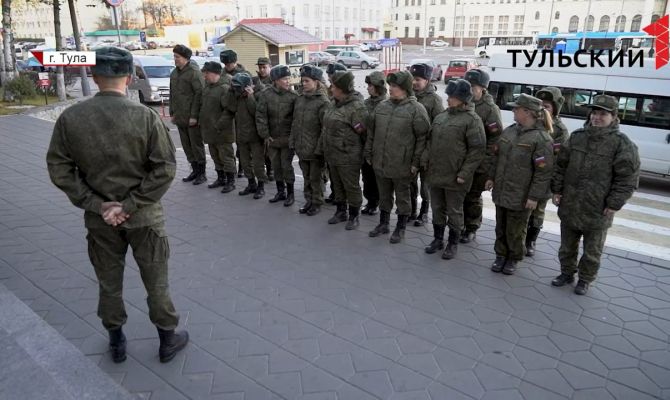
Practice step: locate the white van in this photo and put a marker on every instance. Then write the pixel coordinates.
(151, 78)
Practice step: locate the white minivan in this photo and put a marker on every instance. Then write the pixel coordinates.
(151, 78)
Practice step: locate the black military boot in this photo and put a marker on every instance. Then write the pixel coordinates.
(202, 174)
(313, 210)
(412, 215)
(171, 343)
(383, 227)
(498, 264)
(370, 208)
(260, 191)
(452, 245)
(251, 188)
(290, 196)
(281, 194)
(306, 207)
(117, 345)
(468, 235)
(353, 222)
(531, 237)
(422, 218)
(510, 267)
(399, 231)
(582, 287)
(230, 183)
(340, 215)
(438, 242)
(563, 279)
(220, 180)
(193, 174)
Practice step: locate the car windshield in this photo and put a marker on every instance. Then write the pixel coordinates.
(162, 71)
(457, 64)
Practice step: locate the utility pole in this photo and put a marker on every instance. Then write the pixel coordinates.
(425, 25)
(551, 16)
(462, 23)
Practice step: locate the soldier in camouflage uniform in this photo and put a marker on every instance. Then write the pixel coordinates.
(117, 166)
(274, 116)
(376, 82)
(305, 133)
(230, 68)
(552, 99)
(520, 175)
(456, 146)
(261, 82)
(249, 143)
(425, 94)
(596, 172)
(489, 112)
(186, 83)
(218, 127)
(395, 143)
(342, 144)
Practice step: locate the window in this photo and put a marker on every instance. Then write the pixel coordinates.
(396, 17)
(416, 32)
(264, 11)
(317, 32)
(488, 25)
(503, 21)
(557, 15)
(655, 112)
(327, 33)
(474, 27)
(518, 24)
(317, 12)
(637, 22)
(296, 57)
(589, 23)
(249, 12)
(362, 14)
(370, 15)
(432, 2)
(574, 24)
(346, 14)
(337, 33)
(537, 15)
(355, 14)
(305, 10)
(326, 10)
(406, 4)
(406, 17)
(407, 31)
(139, 73)
(620, 24)
(413, 1)
(554, 29)
(443, 22)
(396, 3)
(337, 13)
(655, 18)
(418, 16)
(431, 21)
(604, 24)
(443, 2)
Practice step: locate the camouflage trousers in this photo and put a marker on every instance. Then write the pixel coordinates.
(589, 263)
(370, 189)
(107, 248)
(282, 163)
(312, 171)
(346, 182)
(191, 142)
(511, 228)
(536, 219)
(447, 207)
(473, 206)
(414, 188)
(252, 159)
(400, 187)
(223, 157)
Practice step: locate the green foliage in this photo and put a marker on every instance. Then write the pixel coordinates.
(22, 87)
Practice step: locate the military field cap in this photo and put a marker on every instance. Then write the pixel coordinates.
(553, 95)
(422, 70)
(477, 77)
(376, 78)
(263, 61)
(343, 80)
(112, 62)
(334, 67)
(403, 79)
(460, 89)
(311, 72)
(527, 101)
(183, 51)
(212, 66)
(605, 102)
(228, 56)
(241, 80)
(279, 71)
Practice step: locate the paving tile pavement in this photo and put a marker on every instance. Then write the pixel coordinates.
(285, 306)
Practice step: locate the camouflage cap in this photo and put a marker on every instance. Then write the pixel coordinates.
(212, 66)
(334, 67)
(112, 62)
(459, 89)
(279, 71)
(343, 80)
(228, 56)
(263, 61)
(376, 78)
(422, 70)
(403, 79)
(477, 77)
(311, 72)
(241, 80)
(605, 102)
(553, 95)
(527, 101)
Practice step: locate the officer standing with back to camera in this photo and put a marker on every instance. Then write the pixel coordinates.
(186, 83)
(378, 92)
(117, 167)
(596, 172)
(488, 111)
(425, 94)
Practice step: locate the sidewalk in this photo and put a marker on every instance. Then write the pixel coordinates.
(285, 306)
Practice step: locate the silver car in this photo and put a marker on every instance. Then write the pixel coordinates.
(357, 58)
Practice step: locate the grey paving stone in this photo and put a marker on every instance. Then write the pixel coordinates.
(464, 381)
(493, 379)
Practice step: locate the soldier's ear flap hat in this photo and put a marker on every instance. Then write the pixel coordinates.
(403, 79)
(183, 51)
(424, 71)
(228, 56)
(112, 62)
(311, 72)
(527, 101)
(553, 95)
(334, 67)
(344, 80)
(460, 89)
(478, 77)
(279, 71)
(605, 102)
(212, 66)
(241, 80)
(377, 79)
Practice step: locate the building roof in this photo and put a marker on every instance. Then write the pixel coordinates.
(112, 32)
(275, 31)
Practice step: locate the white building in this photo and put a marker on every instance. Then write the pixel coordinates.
(453, 19)
(37, 21)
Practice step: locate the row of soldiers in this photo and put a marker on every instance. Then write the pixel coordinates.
(401, 139)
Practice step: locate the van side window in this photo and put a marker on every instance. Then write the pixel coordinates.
(139, 72)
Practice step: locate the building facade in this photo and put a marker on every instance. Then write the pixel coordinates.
(37, 21)
(453, 20)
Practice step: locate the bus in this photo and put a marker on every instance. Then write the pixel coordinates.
(644, 44)
(589, 41)
(494, 44)
(643, 93)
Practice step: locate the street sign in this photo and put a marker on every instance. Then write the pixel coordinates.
(44, 83)
(43, 75)
(143, 36)
(114, 3)
(389, 42)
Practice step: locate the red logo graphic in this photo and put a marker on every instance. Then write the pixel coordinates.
(660, 30)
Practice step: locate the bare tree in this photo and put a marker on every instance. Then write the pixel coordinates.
(8, 47)
(85, 85)
(60, 73)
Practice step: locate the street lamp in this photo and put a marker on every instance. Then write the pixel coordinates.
(425, 24)
(586, 25)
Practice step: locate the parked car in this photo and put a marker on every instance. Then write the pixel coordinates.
(437, 69)
(357, 58)
(364, 47)
(134, 45)
(152, 45)
(458, 67)
(373, 46)
(151, 78)
(321, 58)
(333, 52)
(439, 43)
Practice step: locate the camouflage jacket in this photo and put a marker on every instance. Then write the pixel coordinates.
(522, 166)
(372, 102)
(597, 168)
(307, 123)
(261, 84)
(397, 137)
(244, 108)
(216, 117)
(185, 93)
(489, 112)
(227, 77)
(124, 154)
(274, 115)
(343, 136)
(431, 101)
(456, 145)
